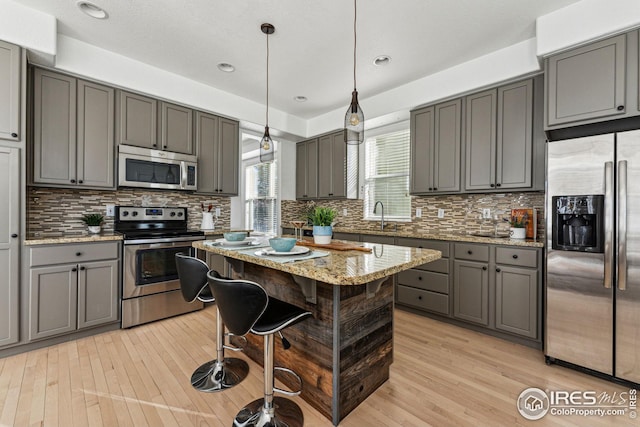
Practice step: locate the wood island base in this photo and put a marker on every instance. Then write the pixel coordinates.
(343, 353)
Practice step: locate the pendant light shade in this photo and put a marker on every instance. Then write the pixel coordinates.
(267, 152)
(354, 118)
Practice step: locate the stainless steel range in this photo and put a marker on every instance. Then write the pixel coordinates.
(150, 285)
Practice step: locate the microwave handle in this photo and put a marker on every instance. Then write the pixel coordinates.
(183, 175)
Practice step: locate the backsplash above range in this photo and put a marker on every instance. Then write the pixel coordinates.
(462, 213)
(52, 211)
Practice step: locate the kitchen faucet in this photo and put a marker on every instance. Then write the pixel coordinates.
(382, 214)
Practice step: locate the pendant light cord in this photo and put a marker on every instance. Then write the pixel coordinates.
(355, 15)
(267, 115)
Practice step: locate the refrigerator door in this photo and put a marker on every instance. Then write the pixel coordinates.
(579, 294)
(628, 249)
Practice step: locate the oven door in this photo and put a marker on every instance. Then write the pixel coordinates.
(150, 268)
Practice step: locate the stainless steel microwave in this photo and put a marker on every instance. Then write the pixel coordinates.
(148, 168)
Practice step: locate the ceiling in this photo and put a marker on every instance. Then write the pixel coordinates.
(311, 52)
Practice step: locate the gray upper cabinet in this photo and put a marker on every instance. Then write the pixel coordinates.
(307, 169)
(217, 144)
(176, 128)
(146, 122)
(9, 91)
(435, 148)
(332, 166)
(137, 117)
(73, 141)
(499, 138)
(9, 244)
(587, 84)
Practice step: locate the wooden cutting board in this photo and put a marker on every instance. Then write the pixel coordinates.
(338, 246)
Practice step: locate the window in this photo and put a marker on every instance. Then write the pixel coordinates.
(261, 196)
(386, 160)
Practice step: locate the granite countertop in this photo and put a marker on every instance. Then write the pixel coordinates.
(342, 267)
(79, 237)
(456, 237)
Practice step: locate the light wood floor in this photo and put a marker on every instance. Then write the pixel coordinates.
(442, 375)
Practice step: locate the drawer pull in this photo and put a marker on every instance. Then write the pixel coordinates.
(419, 296)
(515, 256)
(419, 277)
(498, 270)
(419, 247)
(78, 253)
(470, 252)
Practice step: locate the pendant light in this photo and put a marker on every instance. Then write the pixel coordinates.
(266, 143)
(354, 118)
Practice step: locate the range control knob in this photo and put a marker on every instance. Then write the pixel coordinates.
(180, 213)
(134, 213)
(124, 213)
(172, 214)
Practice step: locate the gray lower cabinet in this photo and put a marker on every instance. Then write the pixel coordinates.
(518, 291)
(436, 148)
(146, 122)
(72, 287)
(588, 83)
(9, 244)
(307, 169)
(499, 138)
(217, 147)
(9, 91)
(73, 140)
(471, 291)
(427, 286)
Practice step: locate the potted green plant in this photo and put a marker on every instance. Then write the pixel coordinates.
(518, 223)
(93, 221)
(322, 219)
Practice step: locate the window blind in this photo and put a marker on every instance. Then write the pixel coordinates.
(387, 175)
(261, 196)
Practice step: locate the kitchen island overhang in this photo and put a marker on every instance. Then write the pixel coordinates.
(344, 352)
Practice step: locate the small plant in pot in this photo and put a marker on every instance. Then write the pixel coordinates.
(518, 225)
(322, 219)
(93, 221)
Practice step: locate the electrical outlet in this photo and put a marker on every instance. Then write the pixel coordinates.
(486, 213)
(418, 212)
(111, 210)
(344, 212)
(440, 213)
(217, 212)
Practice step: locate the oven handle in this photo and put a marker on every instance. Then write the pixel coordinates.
(165, 240)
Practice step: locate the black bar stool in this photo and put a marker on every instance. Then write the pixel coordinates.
(245, 307)
(221, 373)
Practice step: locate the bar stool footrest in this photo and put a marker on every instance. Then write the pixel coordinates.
(287, 392)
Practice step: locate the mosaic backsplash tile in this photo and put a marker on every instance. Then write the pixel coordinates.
(462, 213)
(51, 211)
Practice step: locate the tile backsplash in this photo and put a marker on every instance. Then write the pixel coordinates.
(462, 212)
(51, 211)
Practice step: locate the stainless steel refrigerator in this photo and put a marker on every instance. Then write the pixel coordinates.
(593, 253)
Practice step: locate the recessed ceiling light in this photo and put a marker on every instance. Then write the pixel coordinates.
(227, 68)
(300, 98)
(92, 10)
(382, 60)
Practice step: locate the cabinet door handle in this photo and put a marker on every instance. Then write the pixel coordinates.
(419, 277)
(73, 181)
(419, 296)
(14, 235)
(82, 268)
(155, 145)
(498, 185)
(420, 247)
(78, 253)
(484, 267)
(491, 185)
(331, 194)
(498, 270)
(514, 256)
(14, 135)
(164, 146)
(74, 269)
(435, 188)
(620, 107)
(430, 189)
(80, 182)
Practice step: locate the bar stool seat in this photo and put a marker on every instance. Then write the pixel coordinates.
(245, 307)
(223, 372)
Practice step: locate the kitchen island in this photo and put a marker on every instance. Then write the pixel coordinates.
(343, 353)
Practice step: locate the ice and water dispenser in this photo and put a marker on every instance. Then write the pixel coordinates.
(578, 223)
